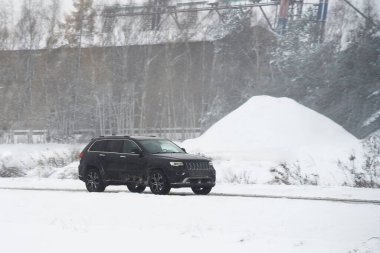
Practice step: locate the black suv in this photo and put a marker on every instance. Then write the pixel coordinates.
(143, 161)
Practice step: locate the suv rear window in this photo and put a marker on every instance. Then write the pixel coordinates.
(115, 146)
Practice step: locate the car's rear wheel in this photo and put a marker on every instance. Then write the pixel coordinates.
(201, 190)
(136, 188)
(158, 183)
(94, 181)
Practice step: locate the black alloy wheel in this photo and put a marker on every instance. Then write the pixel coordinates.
(94, 182)
(201, 190)
(158, 183)
(136, 188)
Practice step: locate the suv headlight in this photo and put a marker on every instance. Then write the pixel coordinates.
(176, 164)
(210, 163)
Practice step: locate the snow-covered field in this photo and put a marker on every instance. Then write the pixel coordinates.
(77, 221)
(266, 140)
(47, 210)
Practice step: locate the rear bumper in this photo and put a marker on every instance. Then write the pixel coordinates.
(80, 172)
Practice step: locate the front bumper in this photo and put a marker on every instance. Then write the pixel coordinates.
(195, 182)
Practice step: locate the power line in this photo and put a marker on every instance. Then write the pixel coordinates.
(361, 14)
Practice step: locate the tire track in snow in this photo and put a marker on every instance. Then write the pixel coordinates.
(348, 201)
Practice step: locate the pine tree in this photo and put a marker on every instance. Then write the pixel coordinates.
(80, 22)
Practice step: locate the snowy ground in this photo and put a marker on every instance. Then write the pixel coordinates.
(266, 140)
(74, 221)
(46, 211)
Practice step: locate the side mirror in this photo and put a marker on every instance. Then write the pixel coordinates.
(184, 150)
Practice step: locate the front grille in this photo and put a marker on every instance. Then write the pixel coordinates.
(194, 165)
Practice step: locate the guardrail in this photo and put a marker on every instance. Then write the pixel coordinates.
(43, 136)
(24, 136)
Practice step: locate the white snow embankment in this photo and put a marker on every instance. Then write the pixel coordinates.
(39, 160)
(267, 131)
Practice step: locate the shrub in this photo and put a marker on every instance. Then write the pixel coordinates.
(368, 173)
(11, 171)
(292, 174)
(243, 177)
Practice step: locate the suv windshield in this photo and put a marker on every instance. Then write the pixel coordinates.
(160, 146)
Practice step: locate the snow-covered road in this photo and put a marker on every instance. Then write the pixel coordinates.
(220, 194)
(62, 221)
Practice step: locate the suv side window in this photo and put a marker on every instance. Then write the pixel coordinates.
(98, 146)
(114, 146)
(130, 147)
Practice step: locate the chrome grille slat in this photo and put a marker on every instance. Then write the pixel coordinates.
(197, 165)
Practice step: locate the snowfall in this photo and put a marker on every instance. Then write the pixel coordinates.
(44, 208)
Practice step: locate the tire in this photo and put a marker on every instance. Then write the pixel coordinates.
(94, 181)
(136, 188)
(158, 183)
(201, 190)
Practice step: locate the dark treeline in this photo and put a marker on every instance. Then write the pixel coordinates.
(120, 88)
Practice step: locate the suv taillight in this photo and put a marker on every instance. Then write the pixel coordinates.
(81, 155)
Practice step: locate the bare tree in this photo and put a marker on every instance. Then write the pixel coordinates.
(78, 25)
(4, 31)
(27, 37)
(54, 26)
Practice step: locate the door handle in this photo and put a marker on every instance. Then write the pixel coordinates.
(102, 155)
(122, 156)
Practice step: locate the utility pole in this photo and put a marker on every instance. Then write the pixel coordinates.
(369, 20)
(321, 19)
(283, 16)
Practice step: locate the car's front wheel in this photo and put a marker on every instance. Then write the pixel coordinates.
(136, 188)
(158, 183)
(201, 190)
(94, 182)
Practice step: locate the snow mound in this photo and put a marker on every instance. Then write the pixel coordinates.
(267, 131)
